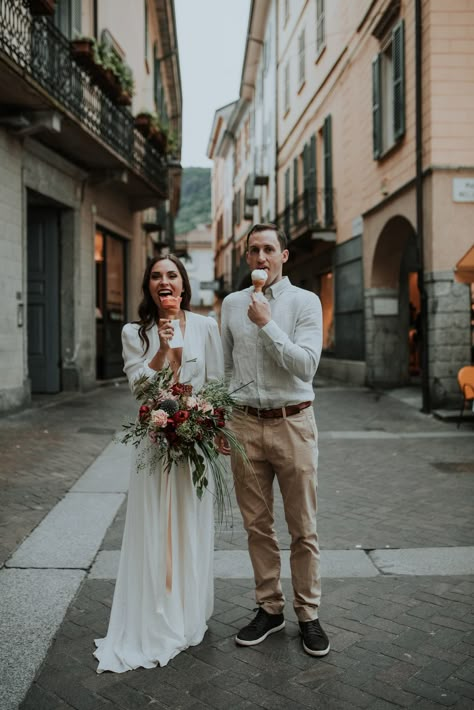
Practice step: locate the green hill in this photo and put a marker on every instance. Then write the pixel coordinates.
(195, 207)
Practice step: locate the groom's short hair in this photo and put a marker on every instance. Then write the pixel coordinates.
(268, 226)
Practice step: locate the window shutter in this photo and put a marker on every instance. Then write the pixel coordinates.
(328, 191)
(377, 107)
(306, 181)
(398, 49)
(287, 201)
(312, 183)
(295, 191)
(76, 19)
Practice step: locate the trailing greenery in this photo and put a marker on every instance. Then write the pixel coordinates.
(195, 206)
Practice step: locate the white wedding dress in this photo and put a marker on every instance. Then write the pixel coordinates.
(164, 592)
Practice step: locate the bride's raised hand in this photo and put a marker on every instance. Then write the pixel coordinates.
(165, 332)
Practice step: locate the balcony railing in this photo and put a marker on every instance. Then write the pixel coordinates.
(43, 53)
(310, 212)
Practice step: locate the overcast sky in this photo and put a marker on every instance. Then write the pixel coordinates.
(211, 43)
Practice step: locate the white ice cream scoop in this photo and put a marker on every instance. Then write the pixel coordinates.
(259, 276)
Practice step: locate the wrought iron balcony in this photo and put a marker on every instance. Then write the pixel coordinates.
(310, 215)
(38, 73)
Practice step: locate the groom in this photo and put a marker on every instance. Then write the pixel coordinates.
(275, 343)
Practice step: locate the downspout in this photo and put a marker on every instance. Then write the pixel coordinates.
(276, 111)
(425, 375)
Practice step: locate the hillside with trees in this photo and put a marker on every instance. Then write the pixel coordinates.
(195, 207)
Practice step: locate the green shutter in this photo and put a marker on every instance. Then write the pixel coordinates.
(295, 191)
(312, 183)
(287, 202)
(398, 59)
(328, 191)
(306, 182)
(76, 19)
(377, 106)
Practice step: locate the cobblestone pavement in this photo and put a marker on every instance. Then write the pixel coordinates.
(389, 477)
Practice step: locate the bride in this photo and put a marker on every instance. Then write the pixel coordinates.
(164, 591)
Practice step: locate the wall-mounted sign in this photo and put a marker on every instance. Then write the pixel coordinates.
(463, 189)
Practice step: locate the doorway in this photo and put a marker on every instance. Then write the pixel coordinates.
(43, 258)
(110, 273)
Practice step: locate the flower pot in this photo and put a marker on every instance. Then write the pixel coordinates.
(83, 52)
(125, 99)
(159, 140)
(42, 7)
(143, 124)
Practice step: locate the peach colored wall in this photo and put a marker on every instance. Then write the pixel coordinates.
(450, 39)
(119, 16)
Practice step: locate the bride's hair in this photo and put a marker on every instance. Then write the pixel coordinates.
(148, 312)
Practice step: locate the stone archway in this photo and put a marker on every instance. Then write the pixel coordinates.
(388, 304)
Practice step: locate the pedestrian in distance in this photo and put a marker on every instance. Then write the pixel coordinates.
(273, 341)
(157, 613)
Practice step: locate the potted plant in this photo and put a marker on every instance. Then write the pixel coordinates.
(42, 7)
(151, 128)
(115, 76)
(85, 52)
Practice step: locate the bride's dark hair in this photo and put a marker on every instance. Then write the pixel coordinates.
(148, 312)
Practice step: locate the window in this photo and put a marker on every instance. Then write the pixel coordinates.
(301, 59)
(388, 92)
(320, 29)
(287, 88)
(67, 18)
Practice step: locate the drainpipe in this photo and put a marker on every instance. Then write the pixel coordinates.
(425, 375)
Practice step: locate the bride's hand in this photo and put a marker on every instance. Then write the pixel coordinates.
(165, 332)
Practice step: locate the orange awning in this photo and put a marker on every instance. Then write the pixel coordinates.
(464, 271)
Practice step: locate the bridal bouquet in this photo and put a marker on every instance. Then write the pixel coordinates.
(181, 425)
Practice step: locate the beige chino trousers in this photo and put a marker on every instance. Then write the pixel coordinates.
(287, 449)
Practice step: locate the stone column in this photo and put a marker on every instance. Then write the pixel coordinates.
(449, 334)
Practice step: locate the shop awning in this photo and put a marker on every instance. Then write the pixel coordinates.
(464, 271)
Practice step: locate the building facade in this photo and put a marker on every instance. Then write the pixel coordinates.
(374, 170)
(83, 182)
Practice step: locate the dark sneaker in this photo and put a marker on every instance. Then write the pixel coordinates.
(315, 641)
(262, 626)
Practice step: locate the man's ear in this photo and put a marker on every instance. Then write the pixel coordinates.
(284, 256)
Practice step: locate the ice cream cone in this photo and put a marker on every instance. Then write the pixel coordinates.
(170, 303)
(259, 277)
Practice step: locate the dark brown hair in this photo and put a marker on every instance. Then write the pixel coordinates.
(148, 312)
(268, 226)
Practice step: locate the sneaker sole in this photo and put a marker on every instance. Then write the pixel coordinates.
(317, 653)
(241, 642)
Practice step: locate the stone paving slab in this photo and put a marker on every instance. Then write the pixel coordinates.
(234, 564)
(436, 560)
(396, 642)
(32, 606)
(109, 473)
(71, 533)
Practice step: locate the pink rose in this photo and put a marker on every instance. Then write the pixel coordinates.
(159, 417)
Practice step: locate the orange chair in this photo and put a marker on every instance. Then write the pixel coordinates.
(466, 383)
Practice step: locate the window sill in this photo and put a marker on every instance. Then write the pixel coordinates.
(388, 151)
(320, 54)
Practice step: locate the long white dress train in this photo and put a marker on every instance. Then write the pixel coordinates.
(153, 617)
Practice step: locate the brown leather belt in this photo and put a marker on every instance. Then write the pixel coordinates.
(276, 413)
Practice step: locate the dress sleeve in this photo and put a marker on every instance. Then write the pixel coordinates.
(134, 358)
(213, 353)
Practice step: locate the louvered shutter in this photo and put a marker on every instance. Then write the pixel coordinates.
(328, 191)
(398, 57)
(377, 107)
